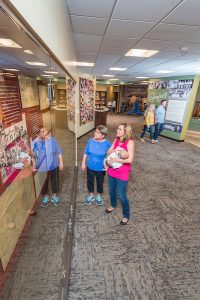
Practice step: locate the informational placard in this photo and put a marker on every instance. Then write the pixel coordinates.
(10, 103)
(177, 93)
(28, 91)
(86, 90)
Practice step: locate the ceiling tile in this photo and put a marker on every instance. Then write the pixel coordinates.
(87, 43)
(90, 8)
(113, 50)
(128, 29)
(107, 60)
(143, 10)
(186, 13)
(89, 25)
(152, 44)
(119, 42)
(86, 57)
(193, 38)
(192, 47)
(127, 62)
(190, 56)
(171, 32)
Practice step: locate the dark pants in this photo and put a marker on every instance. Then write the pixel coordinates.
(151, 129)
(99, 175)
(158, 129)
(53, 175)
(120, 186)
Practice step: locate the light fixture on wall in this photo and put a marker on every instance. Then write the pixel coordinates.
(35, 63)
(141, 52)
(8, 43)
(118, 69)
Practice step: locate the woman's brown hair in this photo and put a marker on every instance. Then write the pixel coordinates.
(128, 134)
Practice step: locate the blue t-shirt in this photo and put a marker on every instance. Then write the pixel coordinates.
(46, 153)
(160, 114)
(96, 152)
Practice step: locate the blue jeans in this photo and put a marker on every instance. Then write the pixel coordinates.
(120, 186)
(151, 129)
(158, 129)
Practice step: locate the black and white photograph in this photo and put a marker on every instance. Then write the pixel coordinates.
(180, 89)
(158, 85)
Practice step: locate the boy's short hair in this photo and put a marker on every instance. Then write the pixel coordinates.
(103, 130)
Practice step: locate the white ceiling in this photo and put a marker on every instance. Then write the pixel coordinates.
(15, 58)
(105, 30)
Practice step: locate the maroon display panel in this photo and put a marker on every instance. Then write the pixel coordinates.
(33, 121)
(10, 101)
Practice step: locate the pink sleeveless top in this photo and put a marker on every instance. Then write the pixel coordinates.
(121, 173)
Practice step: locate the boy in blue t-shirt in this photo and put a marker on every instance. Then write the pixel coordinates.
(95, 153)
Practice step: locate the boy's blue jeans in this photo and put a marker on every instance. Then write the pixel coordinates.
(120, 186)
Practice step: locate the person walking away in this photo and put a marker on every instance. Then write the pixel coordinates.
(118, 178)
(94, 154)
(149, 122)
(47, 157)
(160, 119)
(114, 104)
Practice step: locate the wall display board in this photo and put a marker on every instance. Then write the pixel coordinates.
(13, 151)
(10, 103)
(28, 91)
(177, 92)
(86, 90)
(43, 95)
(71, 100)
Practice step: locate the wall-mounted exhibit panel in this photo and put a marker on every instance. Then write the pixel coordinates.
(180, 93)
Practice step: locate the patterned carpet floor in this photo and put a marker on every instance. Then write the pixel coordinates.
(157, 255)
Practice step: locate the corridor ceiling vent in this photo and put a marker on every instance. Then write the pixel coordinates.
(118, 69)
(82, 64)
(8, 43)
(141, 52)
(164, 71)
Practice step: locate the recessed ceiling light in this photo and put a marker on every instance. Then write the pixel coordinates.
(113, 79)
(164, 71)
(9, 43)
(11, 70)
(118, 69)
(142, 77)
(51, 72)
(45, 75)
(82, 64)
(35, 63)
(141, 52)
(108, 75)
(116, 84)
(28, 51)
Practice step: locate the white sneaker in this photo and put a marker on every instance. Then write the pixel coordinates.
(154, 141)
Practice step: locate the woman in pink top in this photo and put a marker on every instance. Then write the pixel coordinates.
(118, 178)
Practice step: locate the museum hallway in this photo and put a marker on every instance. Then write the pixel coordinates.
(154, 257)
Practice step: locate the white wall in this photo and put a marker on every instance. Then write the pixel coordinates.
(50, 19)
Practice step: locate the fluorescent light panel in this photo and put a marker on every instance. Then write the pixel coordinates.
(8, 43)
(11, 70)
(28, 51)
(164, 71)
(108, 75)
(113, 79)
(82, 64)
(141, 52)
(51, 72)
(35, 63)
(142, 77)
(118, 69)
